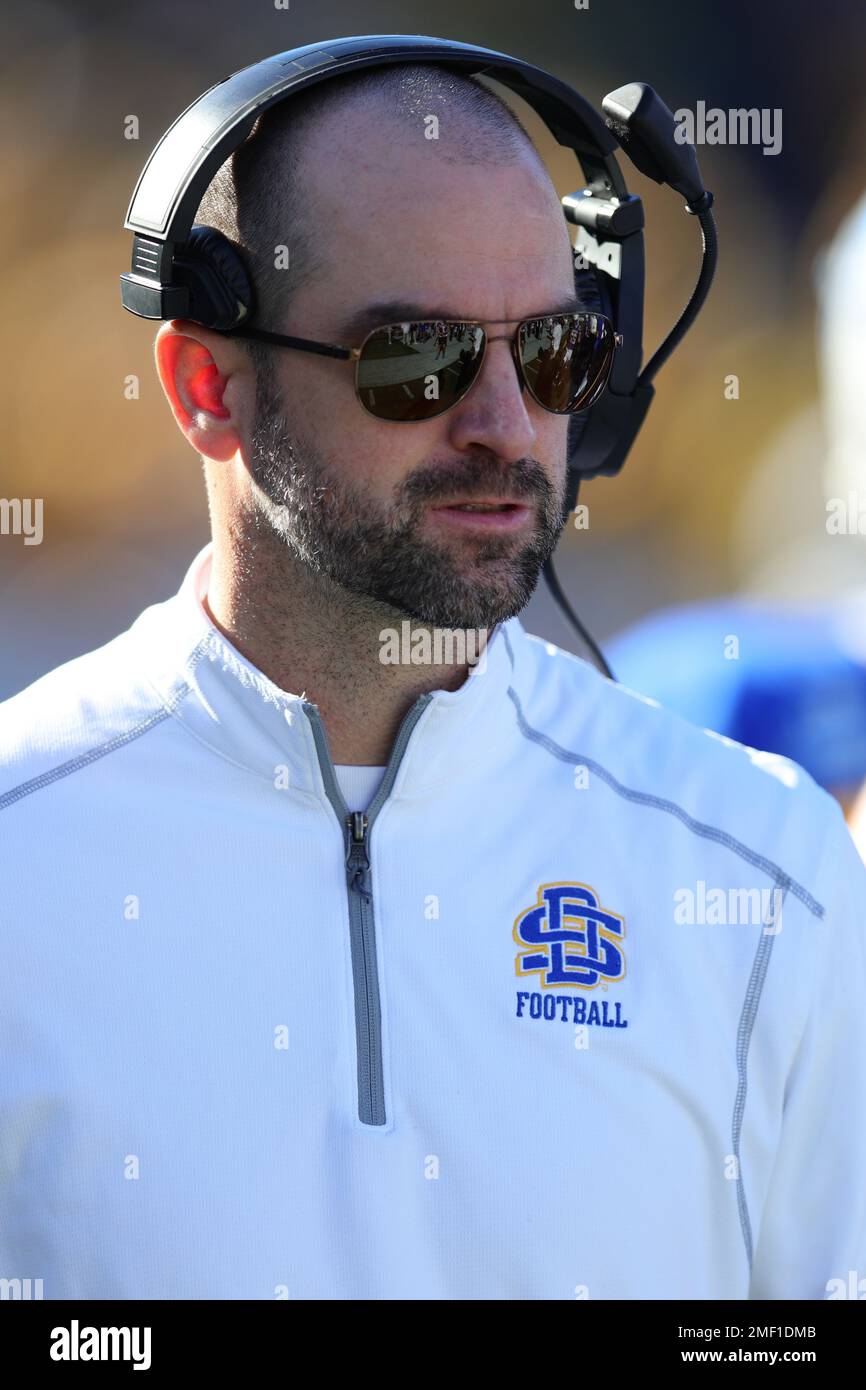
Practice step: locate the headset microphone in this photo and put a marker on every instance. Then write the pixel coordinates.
(645, 128)
(184, 271)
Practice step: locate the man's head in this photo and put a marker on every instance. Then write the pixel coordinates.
(373, 212)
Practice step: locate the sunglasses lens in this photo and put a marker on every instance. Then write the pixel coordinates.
(415, 371)
(567, 359)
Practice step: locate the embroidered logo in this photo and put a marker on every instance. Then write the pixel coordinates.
(573, 941)
(570, 942)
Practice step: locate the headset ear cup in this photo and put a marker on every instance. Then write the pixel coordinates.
(576, 428)
(221, 292)
(589, 287)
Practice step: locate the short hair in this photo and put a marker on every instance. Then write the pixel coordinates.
(240, 201)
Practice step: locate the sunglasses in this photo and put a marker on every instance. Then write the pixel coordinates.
(419, 369)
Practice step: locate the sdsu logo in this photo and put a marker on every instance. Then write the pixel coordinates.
(575, 941)
(572, 943)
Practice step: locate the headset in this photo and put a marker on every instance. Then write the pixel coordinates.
(181, 270)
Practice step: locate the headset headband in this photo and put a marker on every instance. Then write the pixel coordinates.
(182, 165)
(167, 263)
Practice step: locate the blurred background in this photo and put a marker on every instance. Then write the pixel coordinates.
(718, 526)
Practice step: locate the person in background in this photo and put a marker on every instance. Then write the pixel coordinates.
(794, 683)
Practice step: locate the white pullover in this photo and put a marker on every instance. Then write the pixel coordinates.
(575, 1008)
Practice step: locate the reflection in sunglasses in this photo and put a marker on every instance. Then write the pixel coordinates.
(417, 369)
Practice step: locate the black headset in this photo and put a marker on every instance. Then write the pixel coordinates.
(194, 272)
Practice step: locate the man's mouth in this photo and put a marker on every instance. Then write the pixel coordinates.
(481, 506)
(489, 513)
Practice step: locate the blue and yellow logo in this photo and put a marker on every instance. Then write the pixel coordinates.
(571, 940)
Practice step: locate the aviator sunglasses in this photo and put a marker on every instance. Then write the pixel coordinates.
(418, 369)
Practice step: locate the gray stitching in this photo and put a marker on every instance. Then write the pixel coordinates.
(210, 645)
(744, 1037)
(45, 779)
(507, 642)
(708, 832)
(762, 955)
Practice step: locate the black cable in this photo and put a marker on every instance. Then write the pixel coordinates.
(710, 241)
(700, 208)
(586, 637)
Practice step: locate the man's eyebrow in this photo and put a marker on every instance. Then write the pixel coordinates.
(353, 328)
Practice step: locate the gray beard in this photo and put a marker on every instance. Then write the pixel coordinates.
(372, 549)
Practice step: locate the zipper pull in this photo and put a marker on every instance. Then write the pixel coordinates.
(357, 859)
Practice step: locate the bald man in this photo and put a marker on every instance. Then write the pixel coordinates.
(342, 961)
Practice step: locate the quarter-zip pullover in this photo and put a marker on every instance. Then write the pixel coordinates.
(574, 1008)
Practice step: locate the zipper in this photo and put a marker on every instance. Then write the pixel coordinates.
(356, 827)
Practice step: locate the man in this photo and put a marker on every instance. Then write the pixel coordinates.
(540, 992)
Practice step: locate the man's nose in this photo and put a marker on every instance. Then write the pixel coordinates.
(495, 411)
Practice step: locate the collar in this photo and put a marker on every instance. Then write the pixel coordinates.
(232, 708)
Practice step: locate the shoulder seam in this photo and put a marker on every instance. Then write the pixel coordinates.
(745, 1028)
(697, 827)
(81, 760)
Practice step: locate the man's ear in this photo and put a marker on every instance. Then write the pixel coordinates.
(206, 399)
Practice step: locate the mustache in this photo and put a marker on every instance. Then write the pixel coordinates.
(483, 475)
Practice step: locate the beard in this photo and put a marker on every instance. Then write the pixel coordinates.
(375, 550)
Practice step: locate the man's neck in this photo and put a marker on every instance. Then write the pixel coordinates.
(313, 638)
